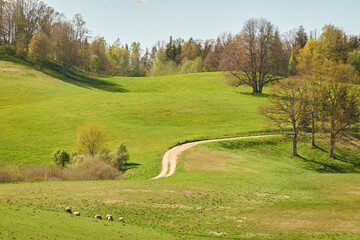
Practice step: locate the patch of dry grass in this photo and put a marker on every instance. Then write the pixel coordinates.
(205, 159)
(320, 219)
(89, 169)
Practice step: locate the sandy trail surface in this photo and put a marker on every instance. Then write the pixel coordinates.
(169, 161)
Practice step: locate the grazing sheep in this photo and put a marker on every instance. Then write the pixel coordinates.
(121, 219)
(97, 216)
(76, 213)
(67, 209)
(109, 217)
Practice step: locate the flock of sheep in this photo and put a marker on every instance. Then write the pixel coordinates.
(97, 216)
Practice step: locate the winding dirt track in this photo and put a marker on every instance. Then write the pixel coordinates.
(170, 158)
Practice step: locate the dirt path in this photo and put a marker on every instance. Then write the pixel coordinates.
(170, 158)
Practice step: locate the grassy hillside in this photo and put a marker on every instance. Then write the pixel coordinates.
(39, 113)
(244, 189)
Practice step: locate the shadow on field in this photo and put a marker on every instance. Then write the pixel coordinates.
(324, 168)
(263, 95)
(81, 80)
(54, 70)
(129, 166)
(315, 159)
(344, 162)
(344, 156)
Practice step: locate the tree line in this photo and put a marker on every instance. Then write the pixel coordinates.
(323, 92)
(256, 56)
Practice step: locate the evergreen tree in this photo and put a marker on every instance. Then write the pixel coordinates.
(301, 37)
(170, 50)
(277, 55)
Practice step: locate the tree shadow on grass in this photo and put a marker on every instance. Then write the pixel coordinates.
(79, 79)
(263, 95)
(129, 166)
(54, 69)
(341, 164)
(322, 167)
(344, 156)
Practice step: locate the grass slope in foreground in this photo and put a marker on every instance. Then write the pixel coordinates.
(244, 189)
(39, 113)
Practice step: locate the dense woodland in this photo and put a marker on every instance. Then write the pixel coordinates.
(32, 29)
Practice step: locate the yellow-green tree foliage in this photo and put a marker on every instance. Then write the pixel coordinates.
(64, 45)
(324, 63)
(39, 48)
(91, 139)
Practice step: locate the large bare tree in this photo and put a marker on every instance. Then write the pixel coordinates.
(248, 56)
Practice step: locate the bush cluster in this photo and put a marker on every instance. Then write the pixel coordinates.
(61, 158)
(88, 170)
(92, 161)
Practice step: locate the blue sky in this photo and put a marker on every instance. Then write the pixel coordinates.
(147, 21)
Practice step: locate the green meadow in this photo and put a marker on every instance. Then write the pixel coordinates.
(39, 113)
(243, 189)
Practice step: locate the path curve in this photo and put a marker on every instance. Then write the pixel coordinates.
(169, 161)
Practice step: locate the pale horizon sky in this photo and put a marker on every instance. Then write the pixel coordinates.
(147, 21)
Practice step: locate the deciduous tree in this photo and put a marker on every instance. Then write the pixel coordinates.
(289, 108)
(340, 98)
(334, 82)
(91, 139)
(354, 59)
(248, 56)
(64, 45)
(39, 48)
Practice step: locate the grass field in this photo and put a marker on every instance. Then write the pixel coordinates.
(39, 114)
(243, 189)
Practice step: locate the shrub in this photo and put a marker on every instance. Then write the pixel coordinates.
(60, 158)
(54, 173)
(79, 158)
(89, 168)
(34, 173)
(92, 168)
(10, 174)
(91, 139)
(120, 158)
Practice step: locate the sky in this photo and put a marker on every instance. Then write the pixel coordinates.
(147, 21)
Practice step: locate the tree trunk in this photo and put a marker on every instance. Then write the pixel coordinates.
(255, 89)
(332, 146)
(254, 84)
(313, 128)
(260, 89)
(294, 153)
